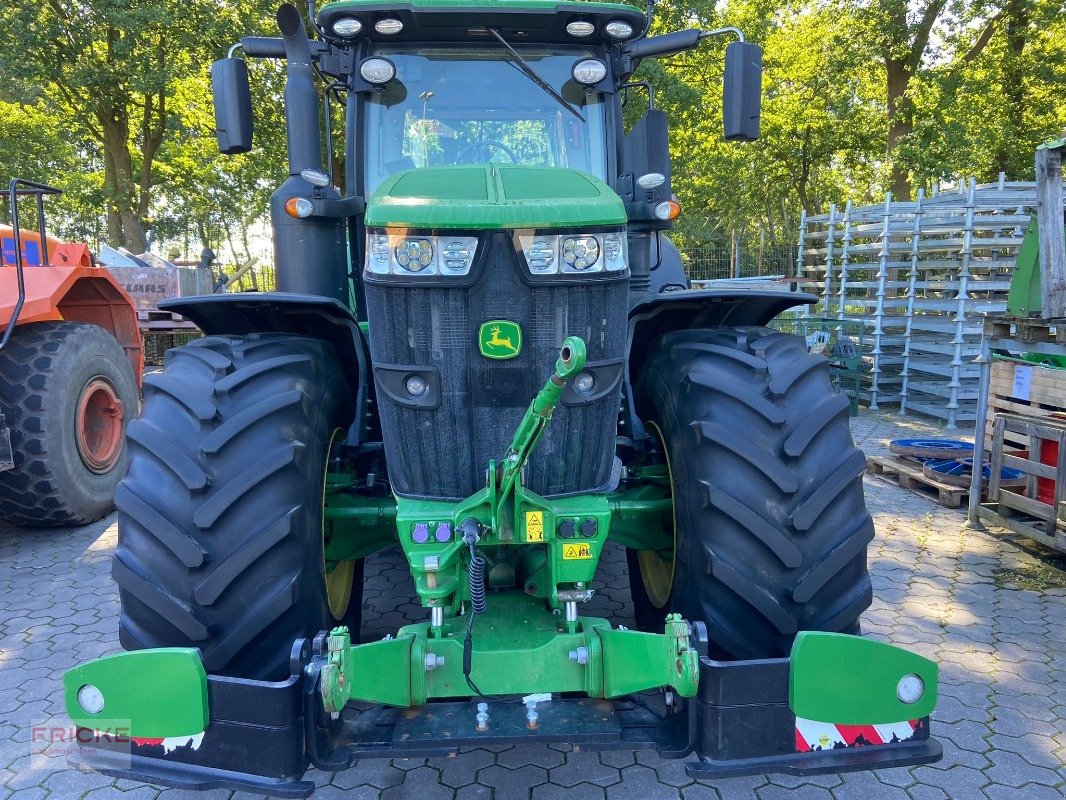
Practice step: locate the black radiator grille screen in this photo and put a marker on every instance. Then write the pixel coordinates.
(443, 452)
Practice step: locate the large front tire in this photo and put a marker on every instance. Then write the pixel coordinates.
(220, 541)
(771, 526)
(66, 390)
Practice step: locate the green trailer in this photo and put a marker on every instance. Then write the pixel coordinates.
(478, 351)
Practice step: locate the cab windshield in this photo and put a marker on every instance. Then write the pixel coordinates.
(475, 106)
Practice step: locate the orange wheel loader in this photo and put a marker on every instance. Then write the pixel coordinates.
(70, 366)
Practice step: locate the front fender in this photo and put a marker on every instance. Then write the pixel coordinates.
(316, 316)
(656, 314)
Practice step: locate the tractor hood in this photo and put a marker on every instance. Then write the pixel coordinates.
(493, 197)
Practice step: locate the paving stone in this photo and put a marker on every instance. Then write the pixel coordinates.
(1009, 769)
(866, 786)
(804, 792)
(114, 793)
(73, 783)
(898, 776)
(32, 793)
(796, 781)
(461, 770)
(618, 758)
(957, 781)
(422, 783)
(584, 767)
(539, 755)
(474, 791)
(331, 792)
(512, 782)
(640, 781)
(964, 743)
(700, 791)
(580, 791)
(669, 771)
(1036, 750)
(1009, 722)
(1030, 791)
(919, 792)
(376, 772)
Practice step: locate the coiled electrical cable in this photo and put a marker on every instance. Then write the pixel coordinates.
(476, 577)
(478, 605)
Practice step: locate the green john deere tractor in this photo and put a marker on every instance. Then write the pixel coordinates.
(485, 350)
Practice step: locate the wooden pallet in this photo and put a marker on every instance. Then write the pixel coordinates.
(907, 474)
(1033, 331)
(1025, 524)
(157, 320)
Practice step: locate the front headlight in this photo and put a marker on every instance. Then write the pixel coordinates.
(580, 253)
(615, 251)
(574, 252)
(395, 253)
(415, 255)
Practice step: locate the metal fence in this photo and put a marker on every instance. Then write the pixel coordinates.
(713, 262)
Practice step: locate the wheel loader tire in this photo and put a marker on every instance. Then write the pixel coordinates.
(66, 391)
(220, 537)
(771, 526)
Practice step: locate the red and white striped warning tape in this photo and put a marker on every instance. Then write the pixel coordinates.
(811, 735)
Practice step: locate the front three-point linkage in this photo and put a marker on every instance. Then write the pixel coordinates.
(505, 477)
(421, 663)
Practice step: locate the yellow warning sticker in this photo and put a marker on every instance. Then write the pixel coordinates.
(534, 526)
(576, 552)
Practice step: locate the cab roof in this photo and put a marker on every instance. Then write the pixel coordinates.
(463, 21)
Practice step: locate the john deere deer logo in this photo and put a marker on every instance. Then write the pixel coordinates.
(500, 338)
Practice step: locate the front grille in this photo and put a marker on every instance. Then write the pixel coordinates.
(444, 452)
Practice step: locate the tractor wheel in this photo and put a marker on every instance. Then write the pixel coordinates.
(220, 539)
(66, 391)
(770, 523)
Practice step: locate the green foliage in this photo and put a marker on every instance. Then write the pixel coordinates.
(122, 87)
(984, 89)
(109, 99)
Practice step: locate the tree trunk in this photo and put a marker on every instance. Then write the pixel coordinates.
(119, 183)
(1018, 15)
(115, 237)
(900, 124)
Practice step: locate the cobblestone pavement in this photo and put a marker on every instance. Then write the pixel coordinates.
(991, 614)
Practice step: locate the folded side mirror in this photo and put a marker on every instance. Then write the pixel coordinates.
(233, 105)
(742, 92)
(645, 179)
(646, 149)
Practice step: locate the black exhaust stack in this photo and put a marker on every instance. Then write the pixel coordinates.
(310, 255)
(301, 97)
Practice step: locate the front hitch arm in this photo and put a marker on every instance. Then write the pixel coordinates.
(571, 361)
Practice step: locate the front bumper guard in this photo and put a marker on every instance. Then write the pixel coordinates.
(262, 736)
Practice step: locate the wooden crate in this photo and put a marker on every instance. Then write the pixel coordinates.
(1025, 513)
(1046, 397)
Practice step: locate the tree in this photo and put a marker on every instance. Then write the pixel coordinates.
(901, 32)
(822, 122)
(111, 67)
(984, 110)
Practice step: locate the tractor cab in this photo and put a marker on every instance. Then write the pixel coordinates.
(449, 106)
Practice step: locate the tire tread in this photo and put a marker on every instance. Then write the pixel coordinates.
(773, 527)
(35, 492)
(251, 416)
